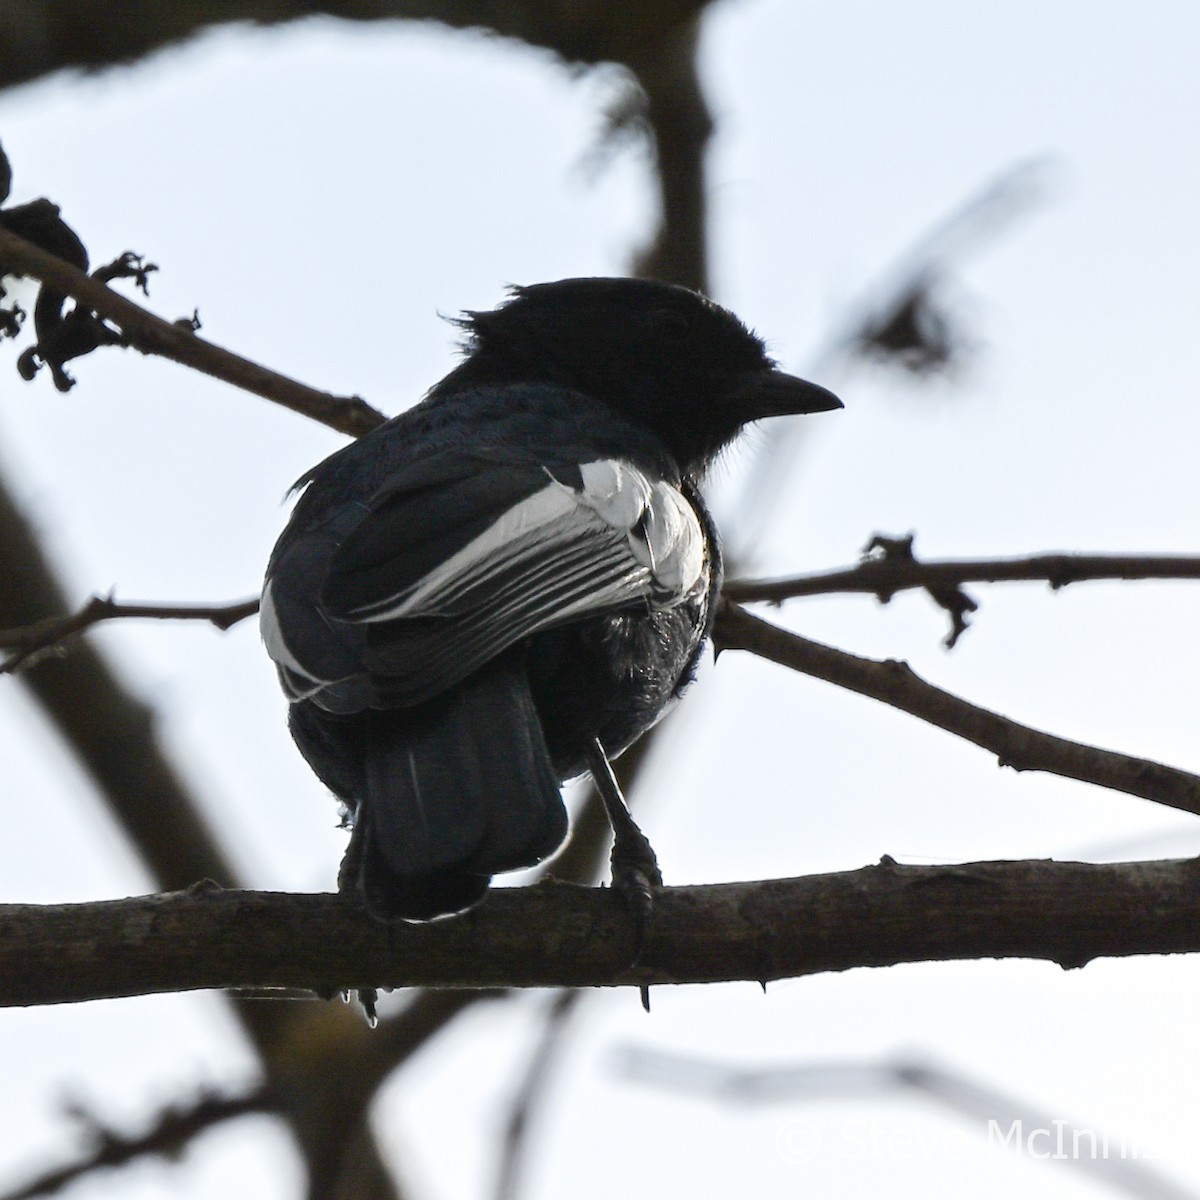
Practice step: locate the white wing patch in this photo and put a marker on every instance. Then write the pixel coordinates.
(272, 634)
(558, 540)
(673, 541)
(662, 529)
(616, 491)
(298, 682)
(619, 538)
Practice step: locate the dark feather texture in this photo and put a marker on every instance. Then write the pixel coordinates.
(467, 597)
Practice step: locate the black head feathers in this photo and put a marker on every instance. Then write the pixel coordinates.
(661, 355)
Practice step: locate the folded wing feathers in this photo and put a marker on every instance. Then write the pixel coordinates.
(653, 523)
(557, 554)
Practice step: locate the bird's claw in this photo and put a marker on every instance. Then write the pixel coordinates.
(635, 872)
(635, 875)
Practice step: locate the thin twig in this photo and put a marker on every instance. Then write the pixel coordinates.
(1015, 745)
(899, 319)
(32, 641)
(883, 577)
(173, 1130)
(152, 335)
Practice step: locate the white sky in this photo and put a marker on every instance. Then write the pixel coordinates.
(320, 194)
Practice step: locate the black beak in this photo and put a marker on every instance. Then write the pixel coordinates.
(771, 393)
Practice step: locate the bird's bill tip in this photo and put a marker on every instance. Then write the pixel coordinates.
(774, 394)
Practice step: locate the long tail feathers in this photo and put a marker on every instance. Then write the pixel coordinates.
(443, 797)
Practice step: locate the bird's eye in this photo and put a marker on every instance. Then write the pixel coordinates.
(670, 323)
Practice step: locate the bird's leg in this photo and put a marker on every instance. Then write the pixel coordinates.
(635, 872)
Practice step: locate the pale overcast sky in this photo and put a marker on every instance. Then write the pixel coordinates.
(321, 193)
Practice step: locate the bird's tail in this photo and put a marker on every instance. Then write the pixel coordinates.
(446, 796)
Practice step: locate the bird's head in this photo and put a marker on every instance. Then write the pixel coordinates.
(664, 357)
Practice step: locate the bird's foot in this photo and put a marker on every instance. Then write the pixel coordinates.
(635, 875)
(635, 872)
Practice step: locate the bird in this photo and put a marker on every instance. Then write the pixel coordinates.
(507, 584)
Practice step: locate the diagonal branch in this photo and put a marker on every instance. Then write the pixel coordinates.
(114, 735)
(150, 334)
(567, 936)
(529, 1096)
(981, 1103)
(29, 642)
(1015, 745)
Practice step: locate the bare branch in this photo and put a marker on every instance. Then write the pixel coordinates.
(1015, 745)
(884, 577)
(175, 1127)
(677, 116)
(150, 334)
(980, 1103)
(908, 324)
(531, 1090)
(31, 641)
(567, 936)
(115, 736)
(110, 729)
(901, 320)
(41, 36)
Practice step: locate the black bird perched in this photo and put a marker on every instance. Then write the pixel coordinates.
(491, 592)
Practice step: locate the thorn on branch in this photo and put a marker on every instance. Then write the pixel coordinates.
(957, 603)
(951, 597)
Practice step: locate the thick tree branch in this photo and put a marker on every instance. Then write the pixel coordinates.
(884, 577)
(30, 641)
(677, 115)
(114, 736)
(109, 728)
(1015, 745)
(41, 36)
(560, 935)
(151, 334)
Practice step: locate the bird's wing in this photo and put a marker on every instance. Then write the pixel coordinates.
(454, 562)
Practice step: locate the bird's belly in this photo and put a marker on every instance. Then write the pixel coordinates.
(611, 678)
